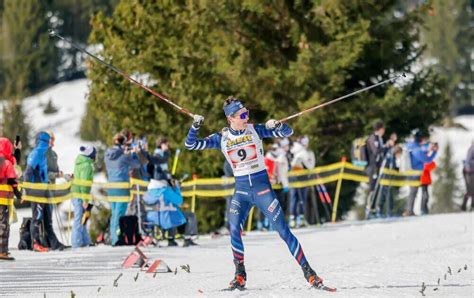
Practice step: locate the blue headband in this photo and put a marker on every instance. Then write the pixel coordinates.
(233, 108)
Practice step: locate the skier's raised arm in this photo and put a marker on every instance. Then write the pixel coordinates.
(273, 129)
(194, 143)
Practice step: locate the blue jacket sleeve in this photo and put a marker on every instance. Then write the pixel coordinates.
(173, 196)
(422, 156)
(283, 132)
(194, 143)
(131, 161)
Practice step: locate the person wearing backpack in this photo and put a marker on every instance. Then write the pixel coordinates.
(83, 172)
(421, 153)
(8, 190)
(42, 232)
(119, 160)
(376, 150)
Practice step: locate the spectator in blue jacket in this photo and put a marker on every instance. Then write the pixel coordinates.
(421, 152)
(119, 161)
(37, 172)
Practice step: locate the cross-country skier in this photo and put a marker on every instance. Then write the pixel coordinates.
(241, 144)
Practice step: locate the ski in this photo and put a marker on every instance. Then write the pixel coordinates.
(230, 289)
(325, 288)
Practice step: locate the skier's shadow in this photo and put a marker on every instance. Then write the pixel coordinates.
(405, 286)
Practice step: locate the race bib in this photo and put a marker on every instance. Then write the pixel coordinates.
(243, 154)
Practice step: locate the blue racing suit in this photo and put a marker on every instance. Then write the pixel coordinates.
(252, 185)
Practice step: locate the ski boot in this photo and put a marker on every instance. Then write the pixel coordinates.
(314, 280)
(311, 276)
(240, 277)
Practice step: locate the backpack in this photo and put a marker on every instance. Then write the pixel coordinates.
(405, 160)
(359, 152)
(25, 236)
(129, 232)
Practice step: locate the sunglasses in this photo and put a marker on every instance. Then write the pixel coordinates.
(244, 115)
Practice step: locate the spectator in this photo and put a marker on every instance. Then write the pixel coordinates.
(375, 155)
(425, 180)
(160, 158)
(119, 161)
(8, 187)
(277, 166)
(52, 161)
(136, 207)
(84, 172)
(392, 158)
(303, 159)
(420, 154)
(468, 173)
(37, 172)
(166, 213)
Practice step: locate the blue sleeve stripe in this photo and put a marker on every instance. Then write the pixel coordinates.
(194, 143)
(283, 132)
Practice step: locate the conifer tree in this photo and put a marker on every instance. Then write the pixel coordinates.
(445, 187)
(13, 123)
(29, 55)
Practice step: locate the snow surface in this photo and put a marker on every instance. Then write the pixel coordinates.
(384, 258)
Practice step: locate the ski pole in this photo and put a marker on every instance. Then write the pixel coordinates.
(175, 161)
(122, 73)
(341, 98)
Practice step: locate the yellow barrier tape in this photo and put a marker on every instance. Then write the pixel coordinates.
(83, 196)
(317, 170)
(118, 199)
(44, 200)
(400, 183)
(80, 182)
(46, 186)
(134, 181)
(6, 202)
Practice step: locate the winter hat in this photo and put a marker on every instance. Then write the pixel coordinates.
(43, 136)
(88, 151)
(304, 141)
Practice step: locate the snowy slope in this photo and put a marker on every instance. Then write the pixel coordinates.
(70, 100)
(389, 258)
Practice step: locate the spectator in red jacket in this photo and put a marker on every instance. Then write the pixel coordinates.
(8, 189)
(425, 183)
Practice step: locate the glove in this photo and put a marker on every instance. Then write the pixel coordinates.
(285, 189)
(17, 193)
(273, 124)
(198, 120)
